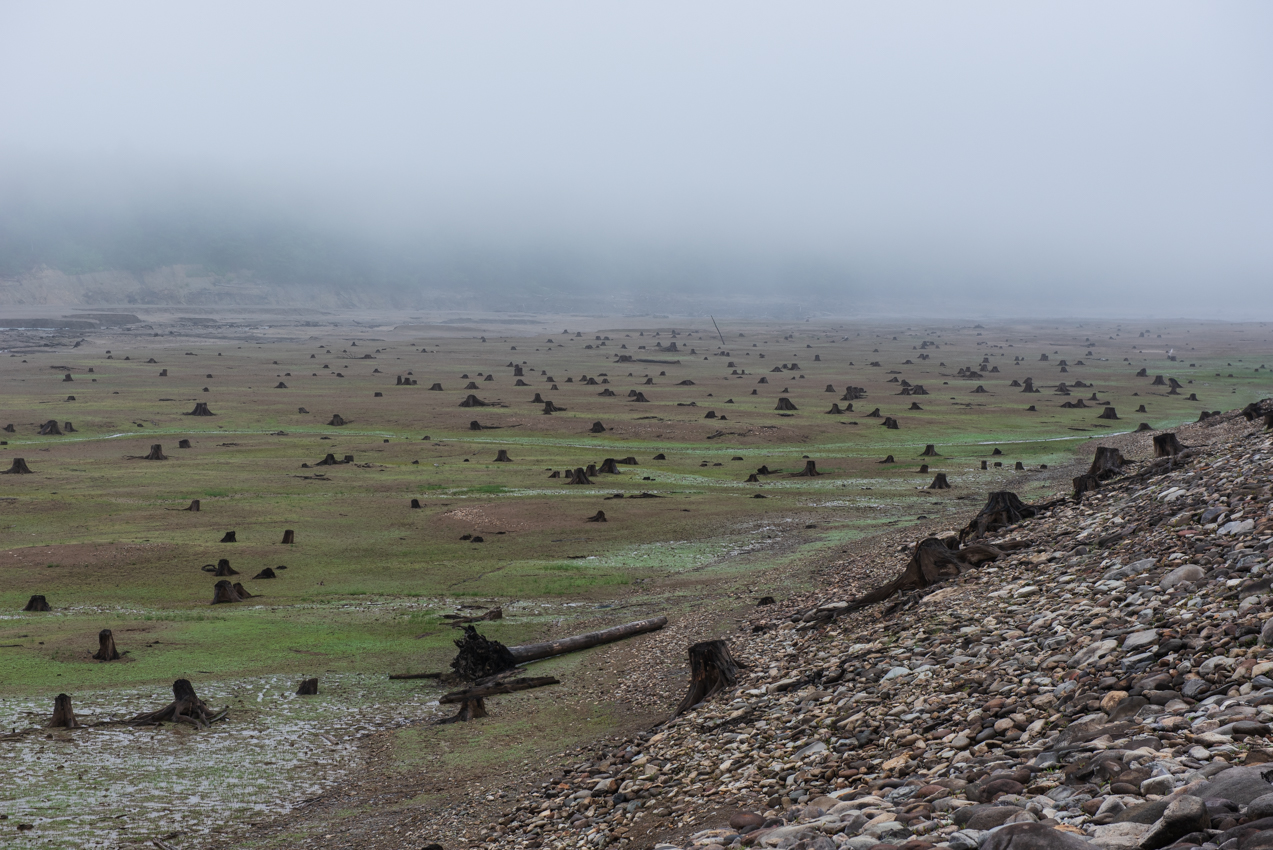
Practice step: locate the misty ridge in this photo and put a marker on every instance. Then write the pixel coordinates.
(844, 159)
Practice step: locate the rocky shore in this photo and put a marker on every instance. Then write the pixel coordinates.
(1108, 685)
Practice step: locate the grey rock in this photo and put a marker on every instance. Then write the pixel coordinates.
(1137, 641)
(1187, 572)
(1260, 807)
(1266, 633)
(1242, 785)
(1120, 836)
(1182, 816)
(1147, 813)
(1158, 785)
(1134, 568)
(1033, 836)
(966, 839)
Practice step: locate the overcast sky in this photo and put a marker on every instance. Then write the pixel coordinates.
(949, 145)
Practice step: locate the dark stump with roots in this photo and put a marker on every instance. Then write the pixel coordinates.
(471, 700)
(932, 563)
(835, 410)
(923, 468)
(415, 503)
(289, 537)
(1167, 445)
(50, 429)
(183, 444)
(472, 401)
(229, 538)
(337, 420)
(224, 569)
(268, 572)
(1085, 483)
(1003, 508)
(19, 467)
(63, 714)
(502, 457)
(609, 467)
(330, 460)
(577, 477)
(1108, 413)
(37, 603)
(223, 593)
(480, 657)
(752, 479)
(939, 482)
(930, 451)
(785, 404)
(712, 670)
(599, 516)
(810, 470)
(1020, 467)
(185, 707)
(1107, 463)
(1144, 426)
(308, 688)
(200, 409)
(242, 591)
(156, 453)
(194, 506)
(106, 650)
(890, 423)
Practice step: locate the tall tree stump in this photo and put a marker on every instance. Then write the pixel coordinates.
(19, 467)
(785, 404)
(186, 707)
(308, 688)
(224, 593)
(106, 650)
(1003, 508)
(939, 482)
(156, 452)
(984, 465)
(1108, 413)
(1107, 463)
(1020, 467)
(183, 444)
(930, 450)
(810, 470)
(63, 714)
(712, 670)
(194, 506)
(415, 504)
(289, 537)
(224, 569)
(229, 538)
(502, 457)
(608, 466)
(37, 603)
(337, 420)
(1084, 484)
(1167, 445)
(200, 409)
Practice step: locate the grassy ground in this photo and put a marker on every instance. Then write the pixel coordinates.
(100, 531)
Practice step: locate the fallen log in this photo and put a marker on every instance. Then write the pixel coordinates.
(471, 702)
(547, 649)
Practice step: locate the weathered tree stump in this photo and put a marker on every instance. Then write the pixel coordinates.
(63, 714)
(472, 401)
(939, 482)
(156, 453)
(194, 506)
(1108, 413)
(37, 603)
(50, 429)
(933, 562)
(579, 477)
(890, 423)
(712, 670)
(268, 572)
(1085, 483)
(200, 409)
(415, 504)
(502, 457)
(609, 467)
(810, 470)
(19, 467)
(835, 410)
(337, 420)
(242, 592)
(183, 444)
(479, 657)
(289, 537)
(752, 479)
(106, 650)
(308, 688)
(888, 459)
(229, 538)
(923, 469)
(914, 406)
(186, 707)
(224, 569)
(1167, 445)
(599, 516)
(1020, 467)
(785, 404)
(10, 428)
(224, 593)
(1107, 463)
(930, 451)
(1003, 508)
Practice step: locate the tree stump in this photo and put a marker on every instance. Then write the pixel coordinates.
(415, 504)
(10, 429)
(19, 467)
(50, 429)
(106, 650)
(1167, 445)
(888, 459)
(200, 409)
(712, 670)
(890, 423)
(184, 444)
(223, 593)
(752, 479)
(301, 410)
(308, 688)
(835, 410)
(186, 707)
(930, 451)
(242, 592)
(63, 714)
(472, 401)
(337, 420)
(923, 469)
(1002, 509)
(785, 404)
(268, 572)
(599, 516)
(224, 568)
(1085, 484)
(1268, 421)
(579, 477)
(939, 482)
(229, 538)
(194, 506)
(810, 470)
(289, 537)
(479, 657)
(1108, 413)
(156, 452)
(1107, 463)
(67, 426)
(37, 603)
(659, 456)
(502, 457)
(608, 466)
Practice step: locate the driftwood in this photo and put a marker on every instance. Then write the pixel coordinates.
(19, 467)
(712, 670)
(106, 650)
(471, 702)
(599, 516)
(459, 620)
(547, 649)
(186, 707)
(37, 603)
(63, 714)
